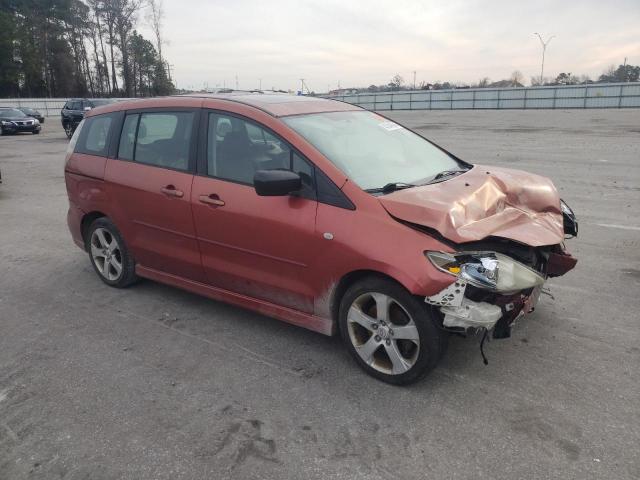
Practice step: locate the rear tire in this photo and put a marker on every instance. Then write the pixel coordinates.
(391, 334)
(109, 254)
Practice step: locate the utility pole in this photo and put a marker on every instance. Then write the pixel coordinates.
(259, 84)
(624, 70)
(544, 49)
(414, 79)
(302, 86)
(236, 81)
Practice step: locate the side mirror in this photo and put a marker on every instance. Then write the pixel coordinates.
(274, 183)
(86, 109)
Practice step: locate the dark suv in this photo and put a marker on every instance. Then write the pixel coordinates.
(73, 111)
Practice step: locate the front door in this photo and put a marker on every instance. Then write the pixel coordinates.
(262, 247)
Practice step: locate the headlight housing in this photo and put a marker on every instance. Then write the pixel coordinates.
(487, 270)
(6, 123)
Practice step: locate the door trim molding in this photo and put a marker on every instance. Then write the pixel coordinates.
(162, 229)
(253, 252)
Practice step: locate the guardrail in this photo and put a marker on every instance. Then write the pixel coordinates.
(597, 95)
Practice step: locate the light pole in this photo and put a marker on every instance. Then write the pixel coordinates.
(544, 49)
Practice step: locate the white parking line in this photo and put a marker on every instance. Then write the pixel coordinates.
(622, 227)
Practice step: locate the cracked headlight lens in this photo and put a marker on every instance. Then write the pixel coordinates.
(488, 270)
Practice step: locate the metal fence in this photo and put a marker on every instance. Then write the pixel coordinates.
(46, 106)
(609, 95)
(597, 95)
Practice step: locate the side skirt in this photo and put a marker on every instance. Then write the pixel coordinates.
(295, 317)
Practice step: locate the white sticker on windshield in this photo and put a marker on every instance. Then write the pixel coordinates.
(390, 126)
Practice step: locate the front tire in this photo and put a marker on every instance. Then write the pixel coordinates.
(109, 254)
(390, 333)
(68, 130)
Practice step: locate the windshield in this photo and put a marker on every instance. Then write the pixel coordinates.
(11, 113)
(371, 150)
(28, 111)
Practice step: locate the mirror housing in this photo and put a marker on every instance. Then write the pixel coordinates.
(276, 183)
(86, 109)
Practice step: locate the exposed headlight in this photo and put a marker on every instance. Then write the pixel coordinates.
(36, 121)
(487, 270)
(6, 123)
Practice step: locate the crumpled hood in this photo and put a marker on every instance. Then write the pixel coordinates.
(483, 202)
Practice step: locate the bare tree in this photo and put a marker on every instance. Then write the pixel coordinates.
(396, 82)
(484, 82)
(517, 79)
(155, 19)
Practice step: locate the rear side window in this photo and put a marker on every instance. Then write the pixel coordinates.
(162, 139)
(95, 135)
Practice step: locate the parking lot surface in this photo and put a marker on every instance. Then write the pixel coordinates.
(155, 383)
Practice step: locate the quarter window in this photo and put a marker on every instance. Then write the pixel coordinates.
(94, 137)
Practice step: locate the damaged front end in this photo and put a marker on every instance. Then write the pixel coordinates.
(496, 283)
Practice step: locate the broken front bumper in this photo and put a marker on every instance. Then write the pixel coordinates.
(464, 307)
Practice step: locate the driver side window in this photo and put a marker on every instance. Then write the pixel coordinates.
(236, 149)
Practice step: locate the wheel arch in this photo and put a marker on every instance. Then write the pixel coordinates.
(86, 222)
(349, 279)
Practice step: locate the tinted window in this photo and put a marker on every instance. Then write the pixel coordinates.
(75, 105)
(237, 148)
(128, 137)
(94, 137)
(163, 139)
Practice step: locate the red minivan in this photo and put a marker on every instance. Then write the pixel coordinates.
(318, 213)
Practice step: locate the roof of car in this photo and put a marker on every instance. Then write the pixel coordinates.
(280, 105)
(276, 105)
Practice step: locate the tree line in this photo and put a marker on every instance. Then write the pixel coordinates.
(81, 48)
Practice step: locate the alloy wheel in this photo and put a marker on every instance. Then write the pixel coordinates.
(106, 254)
(383, 333)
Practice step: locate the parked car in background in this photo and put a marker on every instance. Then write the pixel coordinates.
(74, 109)
(14, 121)
(30, 112)
(316, 212)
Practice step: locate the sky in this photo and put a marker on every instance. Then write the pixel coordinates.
(356, 43)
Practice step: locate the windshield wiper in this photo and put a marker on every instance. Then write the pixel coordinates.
(446, 173)
(391, 187)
